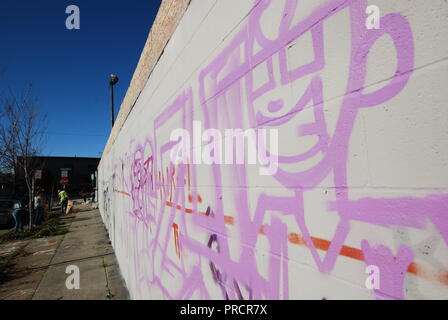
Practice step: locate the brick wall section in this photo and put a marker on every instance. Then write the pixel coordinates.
(168, 16)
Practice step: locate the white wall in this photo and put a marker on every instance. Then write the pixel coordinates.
(363, 157)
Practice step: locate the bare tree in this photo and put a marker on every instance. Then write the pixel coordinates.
(8, 126)
(21, 138)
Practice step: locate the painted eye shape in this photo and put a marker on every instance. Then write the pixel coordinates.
(275, 105)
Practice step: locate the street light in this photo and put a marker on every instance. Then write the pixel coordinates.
(112, 81)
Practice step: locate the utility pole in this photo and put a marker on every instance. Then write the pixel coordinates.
(112, 81)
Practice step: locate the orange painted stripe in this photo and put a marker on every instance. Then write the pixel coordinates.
(443, 278)
(413, 268)
(229, 220)
(176, 239)
(322, 244)
(190, 198)
(296, 238)
(123, 192)
(351, 252)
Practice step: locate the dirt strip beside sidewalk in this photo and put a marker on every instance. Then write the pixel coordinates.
(39, 266)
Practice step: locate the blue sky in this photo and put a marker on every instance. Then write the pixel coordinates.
(69, 69)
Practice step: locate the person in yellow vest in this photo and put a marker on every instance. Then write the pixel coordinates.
(63, 199)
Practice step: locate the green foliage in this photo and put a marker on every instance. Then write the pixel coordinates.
(51, 227)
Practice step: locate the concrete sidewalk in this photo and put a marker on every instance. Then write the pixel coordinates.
(39, 270)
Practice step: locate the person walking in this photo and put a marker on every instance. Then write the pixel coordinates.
(63, 198)
(18, 214)
(38, 208)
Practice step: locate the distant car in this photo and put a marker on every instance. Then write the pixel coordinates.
(6, 209)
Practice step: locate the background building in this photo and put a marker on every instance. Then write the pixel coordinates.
(6, 186)
(80, 173)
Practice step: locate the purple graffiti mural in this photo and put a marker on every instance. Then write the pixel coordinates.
(200, 257)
